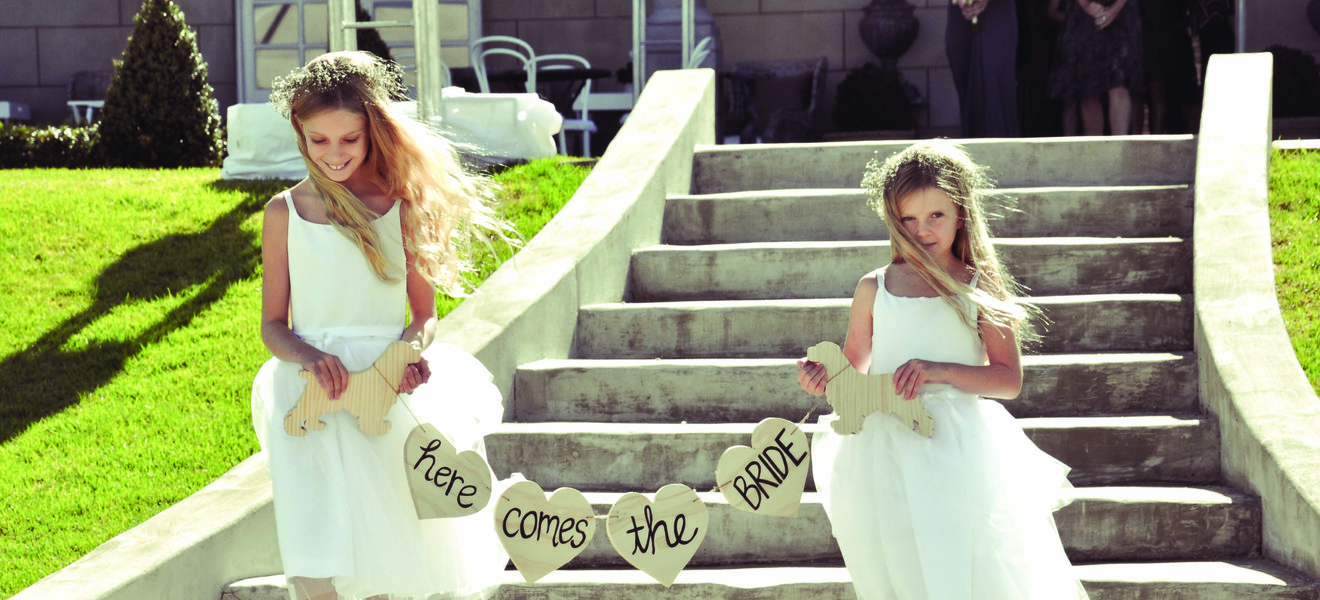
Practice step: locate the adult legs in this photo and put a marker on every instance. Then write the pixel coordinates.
(1069, 117)
(1093, 115)
(1120, 111)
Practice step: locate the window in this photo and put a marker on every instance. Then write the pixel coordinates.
(277, 35)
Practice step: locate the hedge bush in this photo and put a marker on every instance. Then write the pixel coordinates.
(160, 111)
(49, 147)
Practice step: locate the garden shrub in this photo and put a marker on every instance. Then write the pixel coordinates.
(160, 111)
(49, 147)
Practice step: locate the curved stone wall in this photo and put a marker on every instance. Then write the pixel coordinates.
(1250, 379)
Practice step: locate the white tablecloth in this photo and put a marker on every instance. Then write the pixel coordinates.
(492, 126)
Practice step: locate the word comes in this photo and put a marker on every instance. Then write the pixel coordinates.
(533, 523)
(542, 534)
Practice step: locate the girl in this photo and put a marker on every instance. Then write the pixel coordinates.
(345, 253)
(966, 514)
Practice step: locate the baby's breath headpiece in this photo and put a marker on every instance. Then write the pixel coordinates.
(382, 79)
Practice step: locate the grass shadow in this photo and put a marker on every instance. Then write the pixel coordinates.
(46, 377)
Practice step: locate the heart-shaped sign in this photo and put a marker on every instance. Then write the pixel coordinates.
(660, 537)
(767, 478)
(444, 483)
(542, 534)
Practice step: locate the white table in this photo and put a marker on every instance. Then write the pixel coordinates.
(494, 126)
(78, 106)
(14, 111)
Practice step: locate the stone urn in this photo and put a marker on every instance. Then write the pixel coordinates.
(889, 28)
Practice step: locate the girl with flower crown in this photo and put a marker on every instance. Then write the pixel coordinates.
(352, 256)
(968, 513)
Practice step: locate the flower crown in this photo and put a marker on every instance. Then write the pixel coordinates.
(383, 79)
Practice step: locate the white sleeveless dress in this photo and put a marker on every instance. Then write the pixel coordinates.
(964, 515)
(342, 506)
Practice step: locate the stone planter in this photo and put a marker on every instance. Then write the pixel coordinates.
(889, 28)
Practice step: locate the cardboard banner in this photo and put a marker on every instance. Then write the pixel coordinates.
(854, 395)
(660, 537)
(542, 534)
(444, 483)
(369, 395)
(767, 478)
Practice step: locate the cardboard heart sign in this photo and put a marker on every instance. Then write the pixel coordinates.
(767, 478)
(660, 537)
(444, 483)
(542, 534)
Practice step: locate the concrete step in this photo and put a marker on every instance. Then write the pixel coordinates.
(637, 457)
(842, 214)
(1102, 523)
(1135, 160)
(1238, 579)
(1044, 266)
(746, 390)
(784, 328)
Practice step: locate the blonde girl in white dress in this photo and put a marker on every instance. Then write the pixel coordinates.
(352, 256)
(968, 513)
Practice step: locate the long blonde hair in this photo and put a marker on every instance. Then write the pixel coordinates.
(946, 167)
(442, 204)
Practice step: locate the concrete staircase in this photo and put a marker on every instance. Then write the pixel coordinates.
(759, 262)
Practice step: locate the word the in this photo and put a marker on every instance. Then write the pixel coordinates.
(645, 544)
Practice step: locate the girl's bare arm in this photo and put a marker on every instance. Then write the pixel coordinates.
(856, 348)
(421, 330)
(275, 291)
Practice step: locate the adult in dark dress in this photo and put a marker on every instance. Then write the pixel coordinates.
(983, 58)
(1099, 53)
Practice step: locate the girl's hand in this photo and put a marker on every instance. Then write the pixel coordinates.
(911, 375)
(812, 377)
(329, 371)
(414, 375)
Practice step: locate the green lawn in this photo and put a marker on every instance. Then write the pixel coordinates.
(129, 336)
(1295, 232)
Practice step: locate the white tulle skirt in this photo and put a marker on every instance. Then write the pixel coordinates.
(966, 514)
(342, 506)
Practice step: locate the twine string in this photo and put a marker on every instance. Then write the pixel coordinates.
(719, 487)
